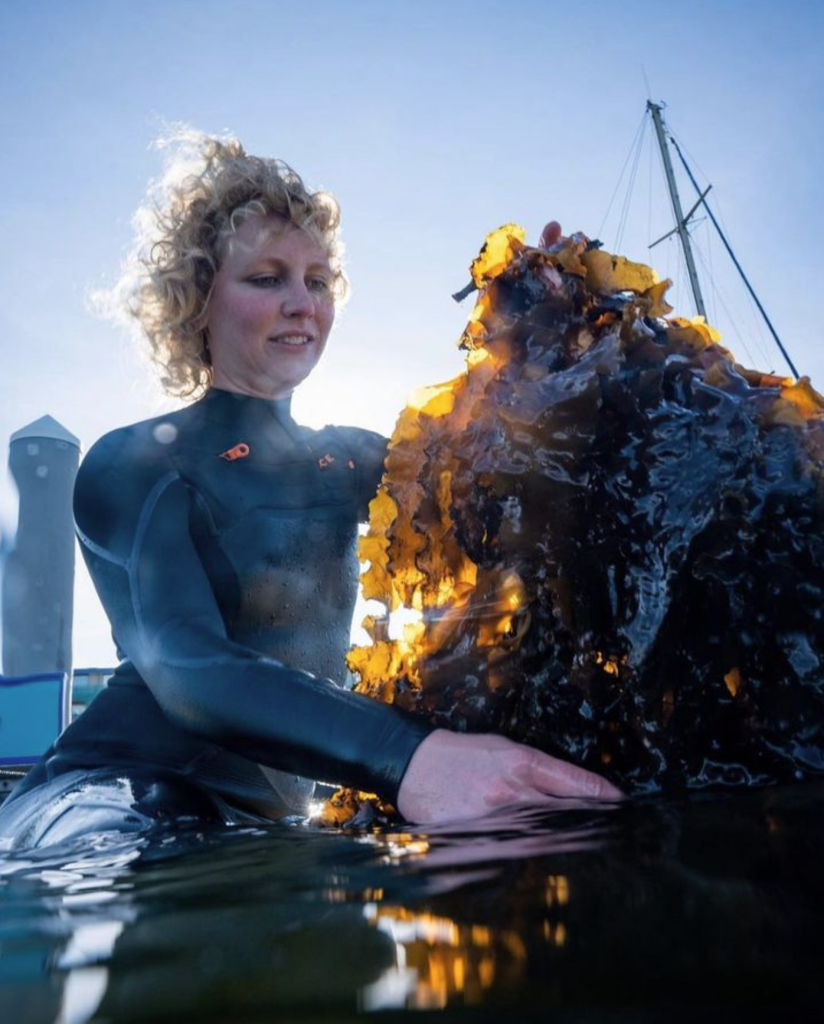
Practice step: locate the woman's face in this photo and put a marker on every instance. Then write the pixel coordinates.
(271, 309)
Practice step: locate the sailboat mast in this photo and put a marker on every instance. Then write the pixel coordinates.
(680, 222)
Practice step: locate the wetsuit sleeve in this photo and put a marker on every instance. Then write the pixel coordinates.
(133, 522)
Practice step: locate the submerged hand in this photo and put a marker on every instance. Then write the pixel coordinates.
(454, 775)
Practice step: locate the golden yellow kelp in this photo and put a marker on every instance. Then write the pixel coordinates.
(606, 536)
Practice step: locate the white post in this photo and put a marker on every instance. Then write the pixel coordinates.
(38, 582)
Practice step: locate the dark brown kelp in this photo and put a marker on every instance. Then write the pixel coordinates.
(609, 535)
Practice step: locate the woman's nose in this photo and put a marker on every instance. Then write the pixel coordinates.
(298, 302)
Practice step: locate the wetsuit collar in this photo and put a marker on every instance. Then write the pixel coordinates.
(232, 406)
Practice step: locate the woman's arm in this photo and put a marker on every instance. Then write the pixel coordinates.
(132, 514)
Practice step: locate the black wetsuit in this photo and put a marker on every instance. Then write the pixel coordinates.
(222, 542)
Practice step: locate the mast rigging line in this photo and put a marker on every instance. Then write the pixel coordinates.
(719, 294)
(702, 200)
(758, 325)
(630, 187)
(632, 147)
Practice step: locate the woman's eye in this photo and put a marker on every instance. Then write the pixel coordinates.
(319, 284)
(266, 280)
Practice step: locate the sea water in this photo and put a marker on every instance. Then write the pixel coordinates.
(699, 908)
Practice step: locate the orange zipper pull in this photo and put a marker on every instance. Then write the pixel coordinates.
(240, 451)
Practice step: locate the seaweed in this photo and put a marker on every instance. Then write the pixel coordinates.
(606, 537)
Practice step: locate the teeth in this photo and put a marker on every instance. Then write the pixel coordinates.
(293, 339)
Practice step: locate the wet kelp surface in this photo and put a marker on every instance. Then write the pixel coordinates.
(704, 907)
(606, 536)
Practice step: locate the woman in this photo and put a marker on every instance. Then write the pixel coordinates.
(221, 540)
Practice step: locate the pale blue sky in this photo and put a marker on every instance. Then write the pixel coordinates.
(433, 123)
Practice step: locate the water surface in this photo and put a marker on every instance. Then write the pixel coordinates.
(707, 907)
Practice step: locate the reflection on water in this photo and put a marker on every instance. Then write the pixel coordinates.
(709, 905)
(438, 961)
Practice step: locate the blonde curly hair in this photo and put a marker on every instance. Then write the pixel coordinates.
(210, 186)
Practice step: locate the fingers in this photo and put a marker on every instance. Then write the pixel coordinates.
(559, 778)
(455, 776)
(550, 235)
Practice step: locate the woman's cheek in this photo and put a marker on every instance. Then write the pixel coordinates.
(256, 314)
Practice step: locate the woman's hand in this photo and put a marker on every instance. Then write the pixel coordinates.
(551, 235)
(457, 775)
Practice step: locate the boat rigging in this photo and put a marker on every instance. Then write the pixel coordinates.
(682, 225)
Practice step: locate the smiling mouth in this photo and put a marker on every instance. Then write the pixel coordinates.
(293, 340)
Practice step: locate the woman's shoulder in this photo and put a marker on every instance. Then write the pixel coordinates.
(125, 465)
(358, 439)
(365, 452)
(365, 448)
(148, 443)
